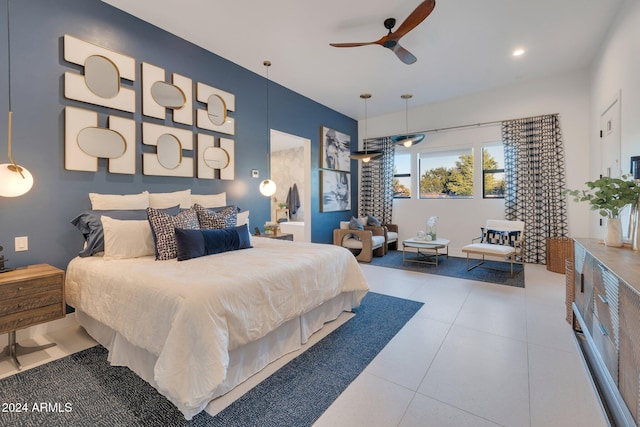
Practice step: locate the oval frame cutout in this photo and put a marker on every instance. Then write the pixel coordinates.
(216, 157)
(169, 151)
(102, 143)
(168, 95)
(216, 110)
(102, 77)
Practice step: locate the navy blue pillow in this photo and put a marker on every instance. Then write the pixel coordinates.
(197, 243)
(90, 225)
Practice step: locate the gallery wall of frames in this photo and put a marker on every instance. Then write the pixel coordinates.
(153, 113)
(99, 82)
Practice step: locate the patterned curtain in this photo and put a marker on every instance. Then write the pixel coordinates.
(376, 181)
(535, 177)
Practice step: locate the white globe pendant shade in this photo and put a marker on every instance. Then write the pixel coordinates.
(12, 183)
(268, 188)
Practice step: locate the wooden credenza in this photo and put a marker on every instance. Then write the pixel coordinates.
(607, 323)
(29, 296)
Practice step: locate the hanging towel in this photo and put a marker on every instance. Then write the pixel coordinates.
(293, 200)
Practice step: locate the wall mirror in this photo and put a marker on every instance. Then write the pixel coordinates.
(102, 143)
(167, 95)
(101, 76)
(216, 158)
(216, 110)
(169, 151)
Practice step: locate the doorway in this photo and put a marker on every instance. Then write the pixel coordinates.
(290, 159)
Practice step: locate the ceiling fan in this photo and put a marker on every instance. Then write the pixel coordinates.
(390, 41)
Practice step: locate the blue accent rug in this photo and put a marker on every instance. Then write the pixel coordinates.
(83, 389)
(457, 267)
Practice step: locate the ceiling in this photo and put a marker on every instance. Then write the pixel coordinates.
(463, 47)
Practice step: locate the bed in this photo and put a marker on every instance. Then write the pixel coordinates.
(195, 329)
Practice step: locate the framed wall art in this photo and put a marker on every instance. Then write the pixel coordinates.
(336, 191)
(335, 150)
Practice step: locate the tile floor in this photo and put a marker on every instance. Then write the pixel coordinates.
(476, 354)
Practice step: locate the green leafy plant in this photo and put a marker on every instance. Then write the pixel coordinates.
(608, 195)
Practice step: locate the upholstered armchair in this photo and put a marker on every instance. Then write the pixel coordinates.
(363, 243)
(391, 236)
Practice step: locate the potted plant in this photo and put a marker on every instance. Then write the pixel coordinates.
(609, 196)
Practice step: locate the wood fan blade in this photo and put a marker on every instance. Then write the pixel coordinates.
(350, 44)
(404, 55)
(420, 13)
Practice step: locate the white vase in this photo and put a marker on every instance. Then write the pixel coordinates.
(613, 232)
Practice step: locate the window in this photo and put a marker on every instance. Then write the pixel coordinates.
(493, 183)
(402, 176)
(446, 174)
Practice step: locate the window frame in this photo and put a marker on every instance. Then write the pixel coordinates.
(484, 172)
(403, 175)
(460, 150)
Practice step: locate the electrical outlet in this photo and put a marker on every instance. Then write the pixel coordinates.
(22, 243)
(254, 173)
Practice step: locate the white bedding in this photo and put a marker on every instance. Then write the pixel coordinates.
(190, 314)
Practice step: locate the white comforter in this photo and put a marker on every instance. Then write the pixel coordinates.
(190, 314)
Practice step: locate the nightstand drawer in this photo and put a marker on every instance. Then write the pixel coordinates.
(31, 317)
(31, 286)
(30, 302)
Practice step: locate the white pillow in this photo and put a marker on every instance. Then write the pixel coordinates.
(118, 201)
(168, 200)
(127, 238)
(242, 218)
(210, 200)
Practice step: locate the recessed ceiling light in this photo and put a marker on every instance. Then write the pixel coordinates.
(518, 52)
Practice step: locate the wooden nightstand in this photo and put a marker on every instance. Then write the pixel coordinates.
(29, 296)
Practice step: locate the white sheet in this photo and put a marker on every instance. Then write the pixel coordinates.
(190, 314)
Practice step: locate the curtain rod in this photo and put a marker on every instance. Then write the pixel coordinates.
(495, 122)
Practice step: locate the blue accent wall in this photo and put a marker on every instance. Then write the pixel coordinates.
(37, 92)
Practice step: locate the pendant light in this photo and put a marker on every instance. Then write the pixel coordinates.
(365, 155)
(406, 139)
(267, 186)
(14, 179)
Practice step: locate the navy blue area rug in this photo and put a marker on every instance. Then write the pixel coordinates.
(457, 267)
(83, 389)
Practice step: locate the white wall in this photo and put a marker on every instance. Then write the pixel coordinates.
(459, 220)
(617, 69)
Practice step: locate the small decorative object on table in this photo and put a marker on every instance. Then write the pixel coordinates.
(3, 269)
(271, 229)
(609, 196)
(431, 233)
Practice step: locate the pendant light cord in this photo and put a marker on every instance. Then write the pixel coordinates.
(267, 64)
(8, 55)
(9, 115)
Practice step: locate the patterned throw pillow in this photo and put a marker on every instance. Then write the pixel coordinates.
(209, 218)
(164, 227)
(492, 237)
(496, 237)
(510, 238)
